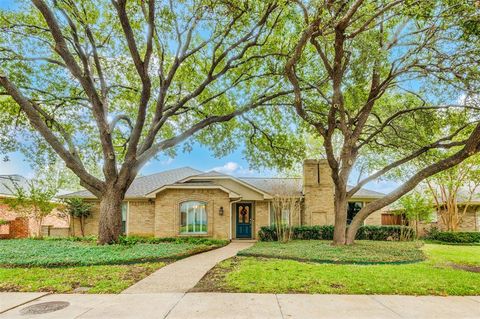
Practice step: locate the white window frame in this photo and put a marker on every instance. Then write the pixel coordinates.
(204, 204)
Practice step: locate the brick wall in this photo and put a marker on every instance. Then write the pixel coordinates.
(318, 190)
(91, 223)
(470, 221)
(261, 217)
(167, 211)
(141, 218)
(19, 228)
(374, 219)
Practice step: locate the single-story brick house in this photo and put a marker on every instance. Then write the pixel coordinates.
(189, 202)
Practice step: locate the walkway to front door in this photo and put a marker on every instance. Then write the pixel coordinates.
(244, 220)
(183, 275)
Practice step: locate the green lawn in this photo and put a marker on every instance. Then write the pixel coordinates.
(64, 266)
(322, 251)
(51, 253)
(96, 279)
(434, 276)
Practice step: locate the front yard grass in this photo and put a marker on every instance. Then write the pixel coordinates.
(64, 266)
(86, 279)
(439, 274)
(363, 251)
(54, 253)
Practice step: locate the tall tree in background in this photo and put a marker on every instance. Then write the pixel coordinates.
(120, 81)
(390, 82)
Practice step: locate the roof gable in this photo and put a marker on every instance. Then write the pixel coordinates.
(217, 176)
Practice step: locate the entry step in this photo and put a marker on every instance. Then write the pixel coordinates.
(244, 240)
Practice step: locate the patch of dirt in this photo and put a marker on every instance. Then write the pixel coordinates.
(9, 288)
(466, 267)
(337, 286)
(137, 273)
(214, 279)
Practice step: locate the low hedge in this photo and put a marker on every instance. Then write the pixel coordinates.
(325, 232)
(455, 237)
(132, 240)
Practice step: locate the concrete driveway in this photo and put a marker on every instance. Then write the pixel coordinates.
(249, 306)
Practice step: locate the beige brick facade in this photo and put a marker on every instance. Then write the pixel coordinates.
(167, 211)
(141, 217)
(318, 193)
(160, 215)
(470, 221)
(374, 219)
(91, 223)
(261, 217)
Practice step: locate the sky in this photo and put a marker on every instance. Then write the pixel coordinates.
(199, 158)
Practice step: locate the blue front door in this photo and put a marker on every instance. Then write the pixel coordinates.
(244, 220)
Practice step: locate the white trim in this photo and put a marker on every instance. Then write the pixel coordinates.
(204, 203)
(231, 194)
(265, 195)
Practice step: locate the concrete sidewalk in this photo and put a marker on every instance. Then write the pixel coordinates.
(183, 275)
(249, 306)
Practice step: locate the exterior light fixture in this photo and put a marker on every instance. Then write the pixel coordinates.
(220, 211)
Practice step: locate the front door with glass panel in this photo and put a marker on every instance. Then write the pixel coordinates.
(244, 220)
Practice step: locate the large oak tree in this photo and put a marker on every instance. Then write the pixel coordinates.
(118, 82)
(390, 82)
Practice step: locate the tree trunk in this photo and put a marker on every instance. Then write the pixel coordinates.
(356, 223)
(352, 231)
(340, 207)
(110, 223)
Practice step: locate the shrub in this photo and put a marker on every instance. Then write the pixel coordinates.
(455, 237)
(132, 240)
(3, 222)
(313, 232)
(325, 232)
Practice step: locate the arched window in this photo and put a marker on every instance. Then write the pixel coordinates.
(193, 217)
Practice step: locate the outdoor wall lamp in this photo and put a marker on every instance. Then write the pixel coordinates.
(220, 211)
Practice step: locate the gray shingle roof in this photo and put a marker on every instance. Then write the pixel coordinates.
(144, 185)
(365, 193)
(7, 183)
(147, 184)
(273, 186)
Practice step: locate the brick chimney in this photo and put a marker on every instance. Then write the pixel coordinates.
(318, 190)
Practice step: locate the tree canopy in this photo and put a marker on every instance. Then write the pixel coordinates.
(118, 82)
(381, 85)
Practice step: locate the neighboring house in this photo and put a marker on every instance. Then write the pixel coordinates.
(470, 220)
(19, 226)
(188, 202)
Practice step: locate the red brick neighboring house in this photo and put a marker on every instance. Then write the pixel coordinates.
(14, 225)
